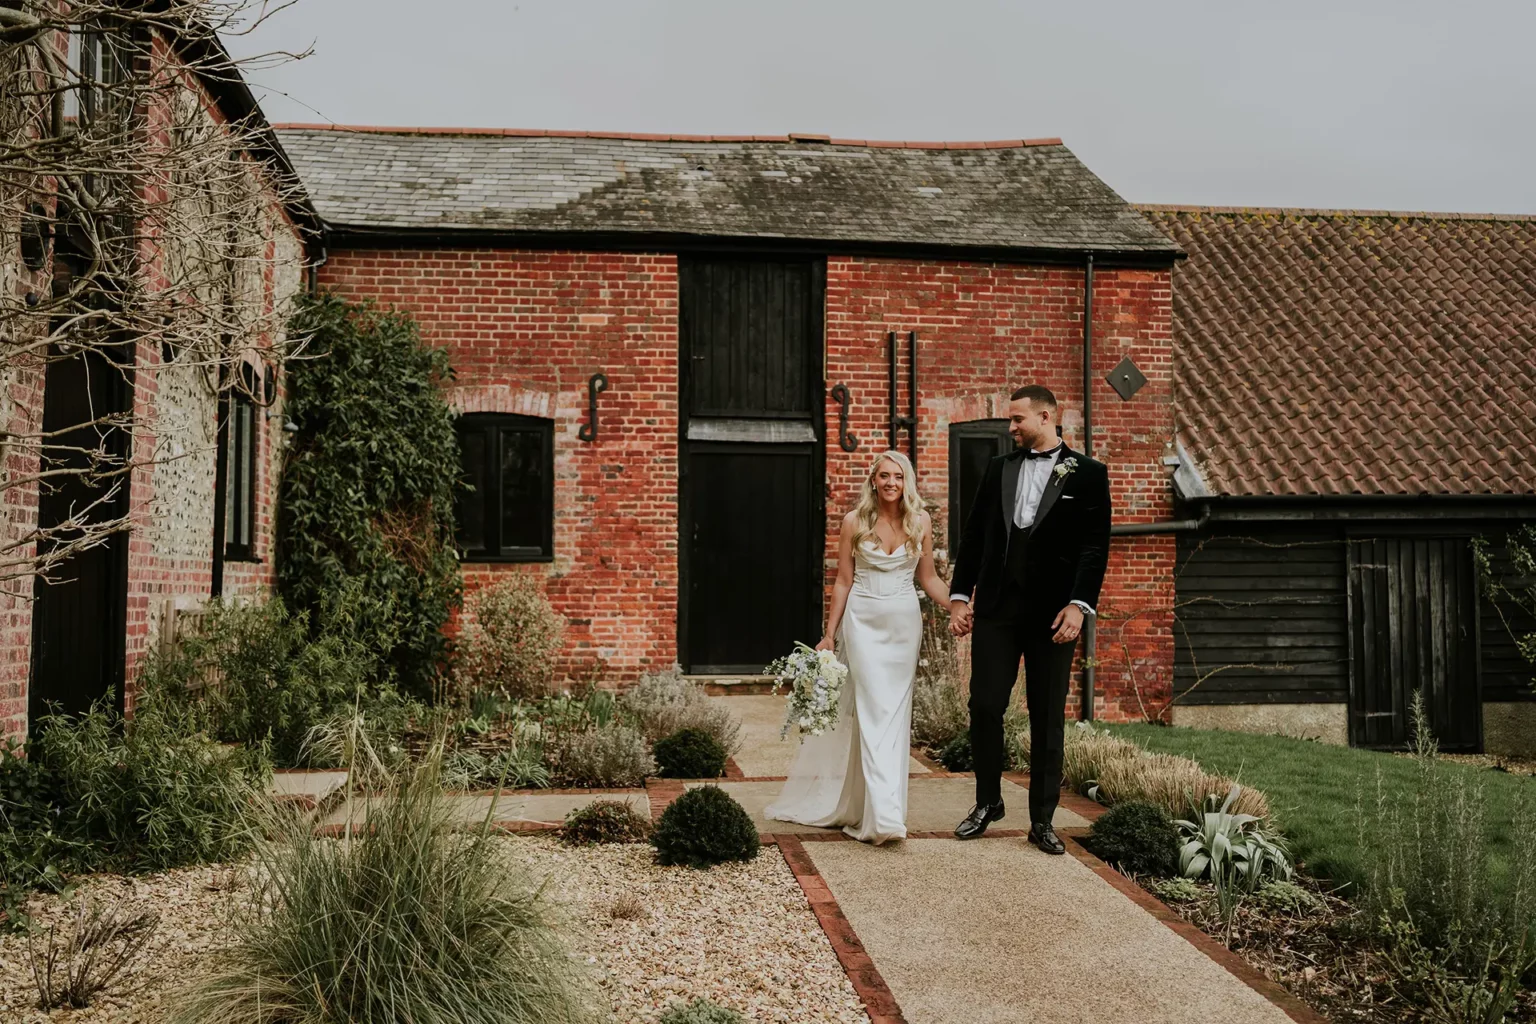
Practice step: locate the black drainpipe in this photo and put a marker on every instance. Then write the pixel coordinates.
(1090, 632)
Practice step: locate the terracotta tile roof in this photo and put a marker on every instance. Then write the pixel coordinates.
(1030, 194)
(1329, 352)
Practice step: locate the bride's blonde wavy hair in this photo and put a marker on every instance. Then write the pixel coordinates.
(867, 511)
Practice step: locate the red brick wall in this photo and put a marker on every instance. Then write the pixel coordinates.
(984, 330)
(525, 330)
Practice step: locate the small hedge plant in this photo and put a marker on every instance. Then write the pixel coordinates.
(1138, 838)
(700, 1011)
(956, 754)
(690, 753)
(604, 821)
(704, 827)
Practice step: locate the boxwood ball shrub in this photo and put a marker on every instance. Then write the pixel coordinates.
(704, 827)
(605, 821)
(690, 754)
(956, 754)
(1138, 838)
(700, 1011)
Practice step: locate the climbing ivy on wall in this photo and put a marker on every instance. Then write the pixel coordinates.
(368, 486)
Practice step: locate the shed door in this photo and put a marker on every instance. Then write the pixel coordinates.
(1413, 612)
(752, 499)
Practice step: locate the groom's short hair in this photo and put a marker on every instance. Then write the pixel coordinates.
(1037, 393)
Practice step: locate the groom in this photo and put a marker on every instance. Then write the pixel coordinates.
(1031, 562)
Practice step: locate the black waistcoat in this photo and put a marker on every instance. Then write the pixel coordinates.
(1018, 552)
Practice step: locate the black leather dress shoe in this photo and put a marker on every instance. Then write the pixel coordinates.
(977, 821)
(1046, 838)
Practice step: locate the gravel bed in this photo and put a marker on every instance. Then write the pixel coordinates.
(739, 934)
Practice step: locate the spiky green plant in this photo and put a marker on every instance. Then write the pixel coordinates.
(401, 919)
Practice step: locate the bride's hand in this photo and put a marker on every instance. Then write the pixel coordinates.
(826, 644)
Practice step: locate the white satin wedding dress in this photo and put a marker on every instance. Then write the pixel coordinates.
(855, 775)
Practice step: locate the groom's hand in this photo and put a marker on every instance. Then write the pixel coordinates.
(959, 617)
(1067, 624)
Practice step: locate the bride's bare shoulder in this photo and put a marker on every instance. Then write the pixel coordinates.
(850, 519)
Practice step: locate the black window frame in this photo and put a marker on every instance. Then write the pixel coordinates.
(960, 497)
(494, 427)
(239, 455)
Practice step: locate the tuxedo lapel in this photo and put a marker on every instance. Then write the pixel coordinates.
(1011, 467)
(1053, 488)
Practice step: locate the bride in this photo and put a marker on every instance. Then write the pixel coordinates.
(855, 775)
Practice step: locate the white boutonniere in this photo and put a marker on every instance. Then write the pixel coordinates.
(1065, 467)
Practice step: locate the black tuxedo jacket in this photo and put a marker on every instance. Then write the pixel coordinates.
(1068, 541)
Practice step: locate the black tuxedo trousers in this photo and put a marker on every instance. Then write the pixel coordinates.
(1019, 626)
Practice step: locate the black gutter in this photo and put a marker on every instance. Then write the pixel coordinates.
(1090, 630)
(343, 236)
(1164, 526)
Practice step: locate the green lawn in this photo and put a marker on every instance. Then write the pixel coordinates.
(1313, 789)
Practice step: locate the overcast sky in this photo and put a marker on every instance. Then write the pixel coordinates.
(1381, 105)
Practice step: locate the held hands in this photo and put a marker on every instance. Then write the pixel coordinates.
(1067, 624)
(959, 618)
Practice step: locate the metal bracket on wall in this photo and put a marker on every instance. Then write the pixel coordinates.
(595, 383)
(909, 421)
(846, 441)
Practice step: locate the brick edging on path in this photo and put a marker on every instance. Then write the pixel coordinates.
(867, 982)
(1235, 965)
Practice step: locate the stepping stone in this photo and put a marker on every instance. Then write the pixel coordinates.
(933, 805)
(762, 752)
(310, 788)
(995, 932)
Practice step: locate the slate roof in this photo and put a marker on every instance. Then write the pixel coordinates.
(1347, 352)
(1021, 194)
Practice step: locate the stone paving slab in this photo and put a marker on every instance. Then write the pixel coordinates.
(995, 932)
(763, 753)
(311, 785)
(933, 805)
(517, 808)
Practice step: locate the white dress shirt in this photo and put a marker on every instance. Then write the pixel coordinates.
(1034, 477)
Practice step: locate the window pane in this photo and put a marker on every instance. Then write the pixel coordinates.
(470, 498)
(522, 489)
(248, 475)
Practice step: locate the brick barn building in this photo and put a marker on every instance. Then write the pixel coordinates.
(1355, 396)
(676, 357)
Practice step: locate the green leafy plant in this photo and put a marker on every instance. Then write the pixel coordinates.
(1225, 846)
(605, 821)
(700, 1011)
(267, 677)
(409, 918)
(689, 753)
(1460, 978)
(1138, 838)
(149, 793)
(661, 703)
(1287, 898)
(520, 767)
(511, 638)
(956, 755)
(1176, 890)
(368, 487)
(704, 827)
(32, 854)
(601, 756)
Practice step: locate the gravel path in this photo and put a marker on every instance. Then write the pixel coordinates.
(739, 934)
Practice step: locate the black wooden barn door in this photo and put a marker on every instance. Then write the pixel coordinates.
(1413, 626)
(752, 501)
(78, 621)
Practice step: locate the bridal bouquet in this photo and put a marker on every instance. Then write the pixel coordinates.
(815, 682)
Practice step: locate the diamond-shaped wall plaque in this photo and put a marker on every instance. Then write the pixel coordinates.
(1126, 379)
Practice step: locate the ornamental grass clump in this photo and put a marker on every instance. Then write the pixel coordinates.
(689, 754)
(704, 827)
(406, 919)
(1138, 838)
(605, 821)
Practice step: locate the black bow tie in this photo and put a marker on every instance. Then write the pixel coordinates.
(1030, 453)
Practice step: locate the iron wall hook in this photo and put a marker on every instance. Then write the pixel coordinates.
(595, 383)
(846, 441)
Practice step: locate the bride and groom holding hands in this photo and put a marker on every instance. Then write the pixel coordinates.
(1031, 561)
